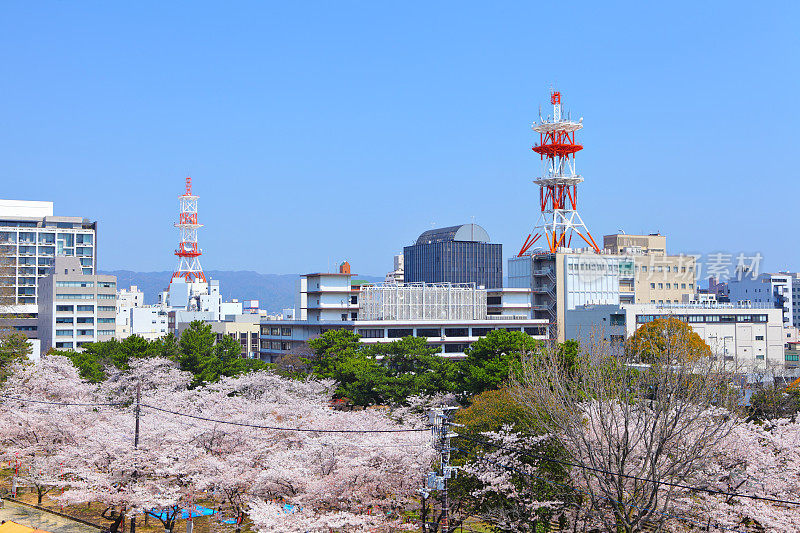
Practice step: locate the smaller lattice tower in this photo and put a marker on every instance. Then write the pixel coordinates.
(558, 185)
(188, 252)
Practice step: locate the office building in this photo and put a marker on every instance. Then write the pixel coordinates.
(449, 316)
(748, 336)
(398, 274)
(31, 237)
(774, 290)
(456, 254)
(75, 308)
(629, 269)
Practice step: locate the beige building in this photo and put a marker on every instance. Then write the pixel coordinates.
(632, 269)
(75, 308)
(247, 333)
(659, 278)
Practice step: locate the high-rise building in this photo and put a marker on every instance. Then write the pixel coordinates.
(75, 308)
(456, 254)
(31, 237)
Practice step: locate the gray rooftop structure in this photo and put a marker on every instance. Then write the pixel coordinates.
(463, 233)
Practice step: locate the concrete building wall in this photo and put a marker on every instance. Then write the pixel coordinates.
(75, 308)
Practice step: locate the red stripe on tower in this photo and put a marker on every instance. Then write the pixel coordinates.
(188, 252)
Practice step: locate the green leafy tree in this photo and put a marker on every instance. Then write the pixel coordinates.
(490, 359)
(13, 347)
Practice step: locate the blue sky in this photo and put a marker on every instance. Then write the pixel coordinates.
(322, 131)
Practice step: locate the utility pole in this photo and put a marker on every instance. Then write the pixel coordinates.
(441, 423)
(137, 409)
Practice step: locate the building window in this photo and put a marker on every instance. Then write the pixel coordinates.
(75, 296)
(105, 332)
(429, 332)
(669, 285)
(64, 320)
(534, 332)
(286, 331)
(481, 332)
(456, 332)
(74, 284)
(759, 337)
(275, 331)
(63, 333)
(106, 320)
(399, 333)
(86, 309)
(85, 320)
(371, 333)
(660, 286)
(65, 308)
(106, 296)
(64, 345)
(652, 285)
(683, 285)
(455, 348)
(493, 300)
(107, 284)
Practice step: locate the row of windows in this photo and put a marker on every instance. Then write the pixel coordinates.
(74, 284)
(643, 319)
(275, 345)
(79, 320)
(669, 285)
(75, 296)
(80, 308)
(79, 332)
(276, 330)
(396, 333)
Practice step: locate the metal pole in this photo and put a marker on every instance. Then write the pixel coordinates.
(138, 407)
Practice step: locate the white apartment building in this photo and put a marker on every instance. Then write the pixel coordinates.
(75, 308)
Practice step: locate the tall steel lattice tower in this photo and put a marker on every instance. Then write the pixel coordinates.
(188, 253)
(558, 186)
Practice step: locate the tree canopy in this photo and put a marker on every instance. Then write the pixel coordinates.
(197, 351)
(667, 336)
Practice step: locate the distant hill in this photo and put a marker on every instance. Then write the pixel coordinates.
(274, 291)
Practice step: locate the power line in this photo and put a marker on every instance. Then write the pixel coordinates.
(62, 404)
(243, 424)
(657, 482)
(278, 428)
(347, 444)
(662, 513)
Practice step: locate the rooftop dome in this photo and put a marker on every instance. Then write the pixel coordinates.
(465, 232)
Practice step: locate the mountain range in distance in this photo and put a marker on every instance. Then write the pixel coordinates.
(274, 292)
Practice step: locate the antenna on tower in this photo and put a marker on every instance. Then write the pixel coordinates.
(188, 252)
(558, 185)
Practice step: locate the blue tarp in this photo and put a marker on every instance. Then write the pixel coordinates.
(197, 510)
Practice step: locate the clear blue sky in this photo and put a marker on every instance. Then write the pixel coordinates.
(323, 131)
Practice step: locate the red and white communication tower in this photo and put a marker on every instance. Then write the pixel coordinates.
(188, 253)
(558, 186)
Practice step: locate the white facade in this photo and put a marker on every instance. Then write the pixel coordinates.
(750, 337)
(421, 301)
(509, 302)
(327, 297)
(75, 308)
(450, 317)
